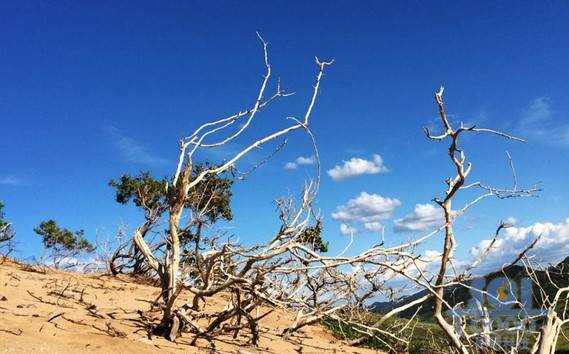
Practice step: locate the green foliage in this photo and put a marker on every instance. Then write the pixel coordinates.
(423, 337)
(144, 190)
(6, 231)
(209, 199)
(2, 221)
(211, 196)
(60, 239)
(426, 338)
(312, 236)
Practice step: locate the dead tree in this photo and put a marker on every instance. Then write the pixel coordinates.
(213, 276)
(415, 269)
(208, 202)
(455, 185)
(289, 270)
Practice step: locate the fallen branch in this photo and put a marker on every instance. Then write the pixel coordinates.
(12, 332)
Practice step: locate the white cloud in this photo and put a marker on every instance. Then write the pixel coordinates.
(10, 181)
(305, 160)
(131, 150)
(367, 209)
(357, 166)
(301, 160)
(538, 123)
(425, 216)
(432, 255)
(511, 221)
(346, 229)
(552, 247)
(373, 226)
(85, 264)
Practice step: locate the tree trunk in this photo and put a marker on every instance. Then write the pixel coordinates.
(548, 334)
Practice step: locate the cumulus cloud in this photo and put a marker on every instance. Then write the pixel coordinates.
(511, 221)
(357, 166)
(366, 209)
(552, 247)
(346, 229)
(373, 226)
(301, 160)
(537, 123)
(425, 216)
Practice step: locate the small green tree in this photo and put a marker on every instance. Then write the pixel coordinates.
(210, 199)
(209, 202)
(6, 233)
(312, 236)
(62, 243)
(144, 190)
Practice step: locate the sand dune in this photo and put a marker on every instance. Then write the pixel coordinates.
(60, 312)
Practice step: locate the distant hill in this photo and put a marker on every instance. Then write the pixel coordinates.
(559, 275)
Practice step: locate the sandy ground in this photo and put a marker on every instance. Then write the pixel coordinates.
(59, 312)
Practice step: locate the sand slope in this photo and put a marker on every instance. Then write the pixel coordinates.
(59, 312)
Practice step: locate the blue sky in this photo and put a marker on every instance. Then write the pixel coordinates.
(91, 90)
